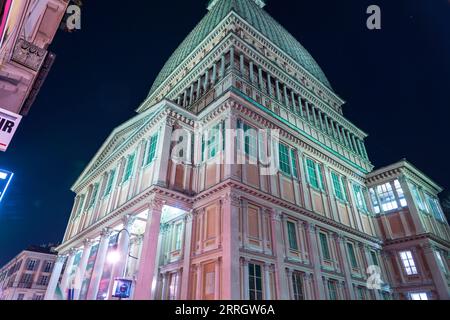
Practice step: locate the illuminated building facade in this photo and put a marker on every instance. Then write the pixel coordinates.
(27, 27)
(196, 223)
(27, 275)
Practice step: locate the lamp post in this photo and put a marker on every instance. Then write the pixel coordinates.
(114, 256)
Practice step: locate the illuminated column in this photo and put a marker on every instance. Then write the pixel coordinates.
(230, 166)
(363, 149)
(300, 107)
(322, 126)
(267, 292)
(245, 288)
(186, 255)
(54, 278)
(313, 109)
(230, 247)
(412, 205)
(232, 58)
(206, 81)
(217, 280)
(308, 115)
(123, 245)
(438, 275)
(366, 250)
(214, 74)
(191, 94)
(241, 64)
(277, 87)
(260, 78)
(286, 99)
(294, 106)
(290, 284)
(269, 85)
(222, 67)
(163, 153)
(79, 276)
(344, 134)
(147, 275)
(199, 86)
(67, 271)
(314, 254)
(99, 264)
(280, 272)
(340, 239)
(354, 143)
(327, 125)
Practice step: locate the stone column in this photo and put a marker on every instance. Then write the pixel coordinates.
(230, 245)
(314, 254)
(252, 75)
(148, 264)
(241, 64)
(286, 97)
(277, 87)
(66, 276)
(278, 246)
(199, 284)
(412, 205)
(217, 280)
(439, 278)
(79, 276)
(290, 284)
(245, 288)
(54, 278)
(260, 78)
(267, 293)
(269, 85)
(230, 166)
(99, 264)
(186, 255)
(300, 107)
(369, 262)
(163, 153)
(345, 265)
(222, 67)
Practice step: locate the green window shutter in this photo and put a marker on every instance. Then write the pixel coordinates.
(337, 186)
(292, 235)
(284, 159)
(129, 168)
(321, 178)
(153, 142)
(312, 175)
(324, 245)
(352, 256)
(111, 177)
(294, 164)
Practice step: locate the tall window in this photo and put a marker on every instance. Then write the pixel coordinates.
(359, 196)
(213, 141)
(387, 197)
(294, 163)
(178, 234)
(419, 200)
(352, 255)
(332, 290)
(31, 264)
(284, 159)
(375, 203)
(418, 296)
(400, 193)
(338, 188)
(129, 168)
(94, 195)
(151, 152)
(361, 295)
(324, 246)
(408, 262)
(80, 205)
(297, 285)
(312, 173)
(48, 266)
(250, 141)
(435, 207)
(321, 178)
(255, 281)
(109, 183)
(373, 254)
(292, 235)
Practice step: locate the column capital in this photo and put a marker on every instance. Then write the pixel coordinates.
(87, 242)
(128, 220)
(275, 215)
(189, 216)
(310, 227)
(339, 237)
(232, 197)
(71, 252)
(164, 227)
(61, 258)
(156, 204)
(105, 233)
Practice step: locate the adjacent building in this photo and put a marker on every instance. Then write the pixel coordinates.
(27, 275)
(27, 27)
(271, 195)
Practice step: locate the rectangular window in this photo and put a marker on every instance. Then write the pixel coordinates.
(298, 286)
(294, 163)
(435, 207)
(250, 141)
(213, 141)
(408, 262)
(400, 193)
(94, 195)
(359, 196)
(387, 197)
(338, 192)
(151, 152)
(312, 173)
(129, 168)
(373, 254)
(292, 235)
(31, 265)
(255, 282)
(109, 184)
(361, 295)
(332, 291)
(178, 234)
(419, 296)
(284, 159)
(80, 205)
(48, 266)
(324, 246)
(352, 255)
(375, 203)
(419, 200)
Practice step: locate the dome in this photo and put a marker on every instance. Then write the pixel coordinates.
(251, 11)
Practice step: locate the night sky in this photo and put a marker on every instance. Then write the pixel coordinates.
(396, 83)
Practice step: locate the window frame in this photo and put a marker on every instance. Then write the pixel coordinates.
(408, 262)
(324, 246)
(292, 237)
(258, 294)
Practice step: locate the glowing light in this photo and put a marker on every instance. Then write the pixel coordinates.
(113, 257)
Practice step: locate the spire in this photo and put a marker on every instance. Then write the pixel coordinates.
(212, 3)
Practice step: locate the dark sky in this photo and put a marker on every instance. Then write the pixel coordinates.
(396, 83)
